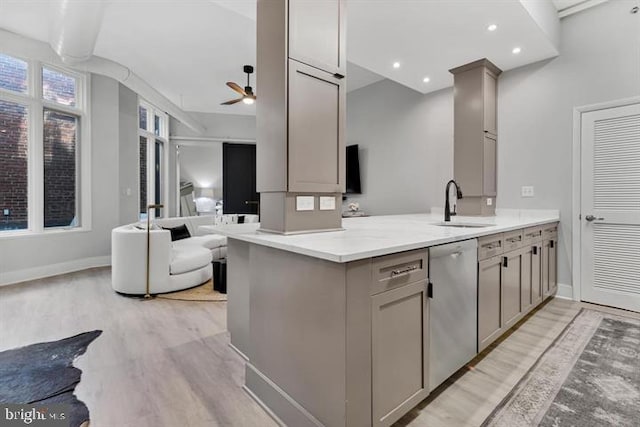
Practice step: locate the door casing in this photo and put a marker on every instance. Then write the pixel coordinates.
(576, 238)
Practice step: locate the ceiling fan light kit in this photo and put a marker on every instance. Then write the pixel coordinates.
(248, 97)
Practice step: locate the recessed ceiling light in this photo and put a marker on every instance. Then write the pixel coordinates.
(426, 79)
(492, 27)
(396, 65)
(516, 50)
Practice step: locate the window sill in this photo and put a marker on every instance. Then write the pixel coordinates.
(24, 234)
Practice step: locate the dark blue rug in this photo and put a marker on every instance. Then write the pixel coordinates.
(43, 373)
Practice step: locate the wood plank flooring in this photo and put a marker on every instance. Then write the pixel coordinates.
(168, 363)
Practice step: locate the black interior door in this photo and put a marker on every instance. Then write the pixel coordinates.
(239, 179)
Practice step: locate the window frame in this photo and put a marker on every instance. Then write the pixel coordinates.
(33, 100)
(152, 137)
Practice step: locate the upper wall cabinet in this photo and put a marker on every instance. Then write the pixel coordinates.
(317, 103)
(317, 34)
(475, 136)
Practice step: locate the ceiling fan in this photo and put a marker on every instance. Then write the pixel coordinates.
(248, 97)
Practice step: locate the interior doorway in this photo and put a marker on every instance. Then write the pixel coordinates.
(609, 202)
(239, 179)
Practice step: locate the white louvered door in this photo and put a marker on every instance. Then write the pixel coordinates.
(610, 225)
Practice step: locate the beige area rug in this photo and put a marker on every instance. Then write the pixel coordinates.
(589, 376)
(203, 293)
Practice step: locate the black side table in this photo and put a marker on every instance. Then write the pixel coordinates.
(220, 275)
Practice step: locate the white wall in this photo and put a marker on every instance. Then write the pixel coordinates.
(408, 137)
(28, 257)
(406, 146)
(128, 155)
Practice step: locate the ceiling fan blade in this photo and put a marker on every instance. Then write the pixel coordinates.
(237, 88)
(233, 101)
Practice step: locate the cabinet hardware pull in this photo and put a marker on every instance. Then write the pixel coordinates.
(430, 290)
(535, 250)
(505, 261)
(405, 270)
(338, 76)
(491, 245)
(551, 243)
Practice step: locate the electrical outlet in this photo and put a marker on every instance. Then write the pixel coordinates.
(527, 191)
(489, 201)
(327, 203)
(6, 212)
(305, 203)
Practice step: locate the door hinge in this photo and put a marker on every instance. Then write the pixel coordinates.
(430, 290)
(505, 261)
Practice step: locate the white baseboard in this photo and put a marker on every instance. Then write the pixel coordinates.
(564, 291)
(53, 269)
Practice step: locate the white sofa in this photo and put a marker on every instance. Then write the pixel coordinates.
(173, 266)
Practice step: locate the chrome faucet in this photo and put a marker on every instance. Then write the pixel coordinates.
(447, 209)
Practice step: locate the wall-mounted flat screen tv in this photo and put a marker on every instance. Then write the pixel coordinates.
(353, 170)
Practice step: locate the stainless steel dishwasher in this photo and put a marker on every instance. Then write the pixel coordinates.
(453, 308)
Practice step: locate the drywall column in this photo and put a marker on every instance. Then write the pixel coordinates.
(300, 118)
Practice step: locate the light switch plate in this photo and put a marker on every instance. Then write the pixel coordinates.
(6, 212)
(527, 191)
(327, 203)
(305, 203)
(489, 201)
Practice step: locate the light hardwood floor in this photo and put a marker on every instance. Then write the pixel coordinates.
(168, 363)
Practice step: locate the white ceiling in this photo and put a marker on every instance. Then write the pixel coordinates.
(188, 49)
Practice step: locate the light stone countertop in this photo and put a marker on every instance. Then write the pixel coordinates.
(367, 237)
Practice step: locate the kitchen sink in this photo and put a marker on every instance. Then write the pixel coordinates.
(463, 224)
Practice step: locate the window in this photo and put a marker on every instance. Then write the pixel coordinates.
(40, 143)
(154, 132)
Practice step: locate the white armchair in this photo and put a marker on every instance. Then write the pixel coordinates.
(171, 267)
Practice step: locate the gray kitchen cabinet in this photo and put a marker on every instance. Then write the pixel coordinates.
(317, 105)
(475, 136)
(549, 260)
(399, 344)
(531, 285)
(511, 283)
(490, 96)
(489, 300)
(317, 34)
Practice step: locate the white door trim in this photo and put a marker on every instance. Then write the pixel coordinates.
(576, 237)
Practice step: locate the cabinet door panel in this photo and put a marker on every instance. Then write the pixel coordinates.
(526, 278)
(511, 276)
(489, 167)
(489, 316)
(536, 275)
(316, 122)
(553, 266)
(545, 268)
(490, 95)
(316, 34)
(399, 351)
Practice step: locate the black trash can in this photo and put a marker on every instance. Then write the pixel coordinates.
(220, 275)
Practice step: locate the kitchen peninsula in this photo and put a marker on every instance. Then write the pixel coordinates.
(335, 326)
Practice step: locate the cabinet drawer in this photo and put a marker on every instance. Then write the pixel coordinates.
(489, 246)
(532, 235)
(513, 240)
(550, 231)
(391, 271)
